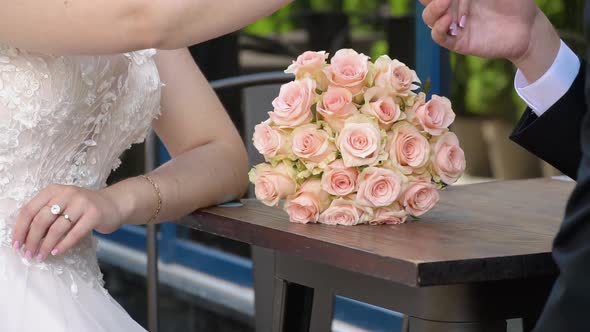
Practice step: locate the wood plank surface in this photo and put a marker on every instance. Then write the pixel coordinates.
(481, 232)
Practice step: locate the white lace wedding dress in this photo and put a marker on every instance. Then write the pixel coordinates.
(65, 120)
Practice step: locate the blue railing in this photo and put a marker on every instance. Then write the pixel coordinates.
(431, 63)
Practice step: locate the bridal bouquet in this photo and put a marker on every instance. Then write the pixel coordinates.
(352, 142)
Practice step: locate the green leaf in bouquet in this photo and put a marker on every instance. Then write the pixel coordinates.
(252, 175)
(402, 104)
(275, 161)
(300, 166)
(426, 86)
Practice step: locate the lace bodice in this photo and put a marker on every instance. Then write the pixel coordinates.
(66, 120)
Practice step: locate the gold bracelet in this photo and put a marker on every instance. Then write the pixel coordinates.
(159, 194)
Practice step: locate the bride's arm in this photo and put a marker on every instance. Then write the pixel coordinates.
(114, 26)
(209, 162)
(209, 166)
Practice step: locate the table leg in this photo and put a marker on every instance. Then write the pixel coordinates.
(292, 307)
(421, 325)
(322, 311)
(528, 323)
(406, 324)
(263, 270)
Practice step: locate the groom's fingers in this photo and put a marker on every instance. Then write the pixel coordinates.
(434, 11)
(440, 32)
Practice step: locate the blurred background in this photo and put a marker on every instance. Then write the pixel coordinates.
(206, 282)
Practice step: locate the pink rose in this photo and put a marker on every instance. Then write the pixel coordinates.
(412, 105)
(420, 177)
(419, 198)
(359, 143)
(339, 180)
(436, 115)
(292, 107)
(389, 216)
(448, 158)
(273, 184)
(382, 107)
(345, 212)
(378, 187)
(312, 144)
(269, 141)
(408, 149)
(336, 106)
(307, 204)
(308, 62)
(348, 69)
(394, 74)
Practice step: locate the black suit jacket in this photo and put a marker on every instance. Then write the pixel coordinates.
(561, 136)
(556, 136)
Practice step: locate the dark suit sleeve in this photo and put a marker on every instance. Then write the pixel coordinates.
(555, 136)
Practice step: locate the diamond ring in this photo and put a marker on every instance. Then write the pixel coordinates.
(55, 209)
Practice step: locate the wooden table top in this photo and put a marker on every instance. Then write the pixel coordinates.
(481, 232)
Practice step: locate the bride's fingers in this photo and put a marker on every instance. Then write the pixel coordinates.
(440, 32)
(463, 12)
(56, 232)
(28, 212)
(454, 13)
(425, 2)
(37, 230)
(434, 11)
(80, 229)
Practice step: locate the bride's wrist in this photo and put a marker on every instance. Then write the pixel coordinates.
(542, 50)
(133, 198)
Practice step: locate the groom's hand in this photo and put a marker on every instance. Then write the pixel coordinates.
(516, 30)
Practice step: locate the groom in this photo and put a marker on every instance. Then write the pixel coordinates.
(553, 81)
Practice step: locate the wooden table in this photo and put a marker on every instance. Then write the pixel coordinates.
(480, 257)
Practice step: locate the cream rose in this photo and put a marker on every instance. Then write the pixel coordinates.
(345, 212)
(270, 142)
(348, 69)
(306, 205)
(292, 107)
(395, 74)
(336, 106)
(378, 187)
(339, 180)
(359, 142)
(448, 158)
(273, 183)
(419, 198)
(436, 115)
(312, 144)
(394, 215)
(408, 149)
(382, 107)
(308, 62)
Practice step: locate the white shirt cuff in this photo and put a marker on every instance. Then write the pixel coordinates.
(554, 84)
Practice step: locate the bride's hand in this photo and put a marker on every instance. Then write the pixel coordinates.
(43, 233)
(514, 30)
(489, 29)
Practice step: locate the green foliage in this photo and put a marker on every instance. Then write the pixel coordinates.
(401, 7)
(279, 22)
(286, 20)
(379, 48)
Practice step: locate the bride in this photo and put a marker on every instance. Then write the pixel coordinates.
(74, 94)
